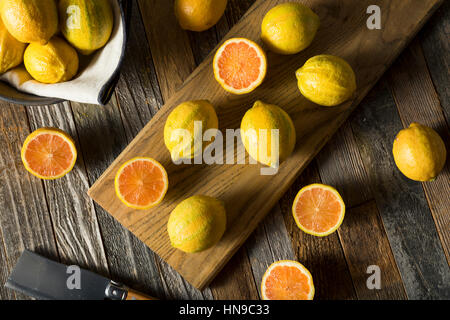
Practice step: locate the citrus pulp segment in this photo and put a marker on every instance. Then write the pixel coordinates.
(141, 183)
(287, 280)
(318, 210)
(49, 153)
(240, 65)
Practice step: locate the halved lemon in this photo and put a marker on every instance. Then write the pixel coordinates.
(287, 280)
(49, 153)
(240, 65)
(318, 210)
(141, 183)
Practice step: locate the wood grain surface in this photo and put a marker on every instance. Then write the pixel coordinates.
(355, 161)
(24, 220)
(342, 33)
(402, 203)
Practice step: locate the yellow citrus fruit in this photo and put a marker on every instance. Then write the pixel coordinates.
(240, 65)
(141, 183)
(11, 50)
(287, 280)
(289, 28)
(183, 117)
(53, 62)
(30, 21)
(256, 133)
(86, 24)
(49, 153)
(326, 80)
(197, 224)
(318, 210)
(419, 152)
(199, 15)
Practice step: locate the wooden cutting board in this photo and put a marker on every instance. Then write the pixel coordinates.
(248, 195)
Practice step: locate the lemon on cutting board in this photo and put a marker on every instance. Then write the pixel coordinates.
(197, 223)
(184, 117)
(289, 28)
(419, 152)
(326, 80)
(267, 117)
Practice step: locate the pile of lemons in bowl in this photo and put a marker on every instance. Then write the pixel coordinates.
(47, 35)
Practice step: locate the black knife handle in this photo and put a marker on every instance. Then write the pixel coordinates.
(115, 291)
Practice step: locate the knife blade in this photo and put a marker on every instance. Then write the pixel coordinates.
(45, 279)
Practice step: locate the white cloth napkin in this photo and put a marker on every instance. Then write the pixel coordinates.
(94, 80)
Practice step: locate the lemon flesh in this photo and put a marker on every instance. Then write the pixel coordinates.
(289, 28)
(419, 152)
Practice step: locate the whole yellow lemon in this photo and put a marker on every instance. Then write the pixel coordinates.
(419, 152)
(197, 224)
(183, 118)
(256, 129)
(289, 28)
(199, 15)
(30, 21)
(86, 24)
(11, 50)
(326, 80)
(53, 62)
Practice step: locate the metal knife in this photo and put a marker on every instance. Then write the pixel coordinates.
(44, 279)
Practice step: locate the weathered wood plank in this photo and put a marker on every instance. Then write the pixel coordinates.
(236, 9)
(203, 43)
(102, 138)
(323, 257)
(25, 222)
(139, 97)
(272, 230)
(5, 294)
(137, 91)
(365, 244)
(176, 287)
(434, 40)
(406, 216)
(341, 166)
(74, 219)
(270, 242)
(417, 101)
(235, 281)
(169, 44)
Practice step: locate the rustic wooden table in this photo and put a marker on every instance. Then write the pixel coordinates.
(391, 222)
